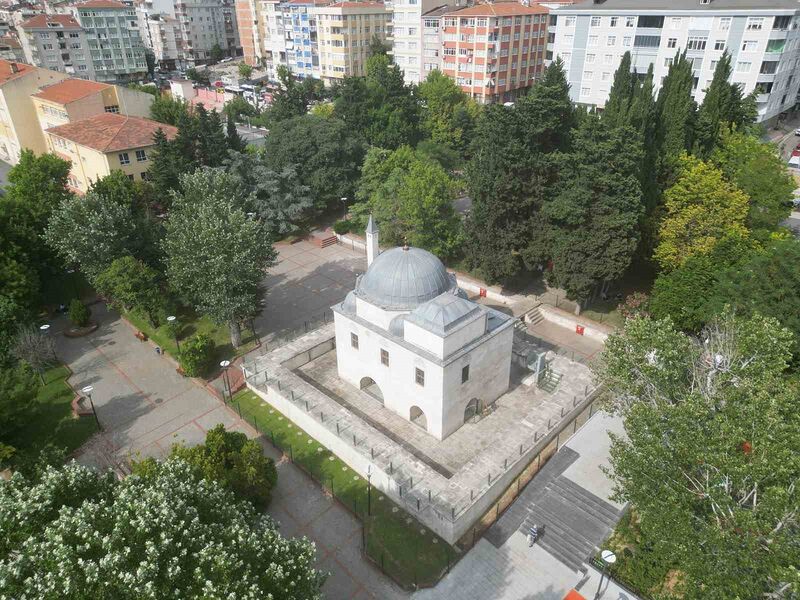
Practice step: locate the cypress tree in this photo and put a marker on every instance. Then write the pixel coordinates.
(621, 95)
(718, 106)
(232, 137)
(675, 111)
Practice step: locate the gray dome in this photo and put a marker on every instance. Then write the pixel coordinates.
(404, 278)
(443, 313)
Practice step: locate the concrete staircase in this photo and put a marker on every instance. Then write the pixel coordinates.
(549, 381)
(576, 521)
(534, 316)
(323, 239)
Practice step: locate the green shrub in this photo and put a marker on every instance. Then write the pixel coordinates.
(78, 313)
(342, 227)
(196, 354)
(230, 458)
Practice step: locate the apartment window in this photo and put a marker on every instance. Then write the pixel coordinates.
(776, 45)
(675, 22)
(725, 23)
(74, 35)
(769, 67)
(593, 40)
(611, 40)
(605, 76)
(713, 65)
(782, 23)
(647, 41)
(626, 41)
(569, 21)
(630, 21)
(672, 42)
(590, 59)
(82, 67)
(75, 46)
(354, 340)
(719, 45)
(749, 46)
(743, 67)
(44, 35)
(653, 22)
(614, 21)
(130, 176)
(141, 156)
(608, 59)
(465, 374)
(588, 75)
(595, 22)
(697, 43)
(755, 23)
(384, 357)
(112, 109)
(419, 376)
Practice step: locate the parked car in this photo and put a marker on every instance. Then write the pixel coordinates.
(797, 131)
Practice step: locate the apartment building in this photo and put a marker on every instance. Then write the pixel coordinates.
(205, 24)
(432, 39)
(407, 35)
(344, 32)
(100, 144)
(17, 112)
(161, 33)
(494, 52)
(251, 30)
(762, 36)
(71, 100)
(58, 43)
(115, 44)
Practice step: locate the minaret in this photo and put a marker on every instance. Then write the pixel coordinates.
(372, 241)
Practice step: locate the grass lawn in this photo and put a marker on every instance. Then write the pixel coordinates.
(53, 423)
(409, 551)
(189, 324)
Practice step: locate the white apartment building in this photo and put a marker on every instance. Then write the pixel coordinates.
(407, 35)
(762, 36)
(58, 43)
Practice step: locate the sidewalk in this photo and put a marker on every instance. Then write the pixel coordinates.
(144, 407)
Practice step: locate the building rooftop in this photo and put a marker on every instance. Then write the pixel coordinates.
(101, 4)
(438, 11)
(70, 90)
(10, 41)
(404, 278)
(498, 9)
(373, 5)
(683, 5)
(444, 313)
(111, 132)
(51, 22)
(12, 70)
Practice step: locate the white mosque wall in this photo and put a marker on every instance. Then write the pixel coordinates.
(375, 314)
(465, 334)
(489, 373)
(397, 382)
(424, 339)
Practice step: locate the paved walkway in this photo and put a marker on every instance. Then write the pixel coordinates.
(512, 570)
(145, 407)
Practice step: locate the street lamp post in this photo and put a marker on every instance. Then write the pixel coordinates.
(71, 273)
(369, 490)
(45, 329)
(344, 204)
(88, 391)
(609, 558)
(172, 320)
(226, 384)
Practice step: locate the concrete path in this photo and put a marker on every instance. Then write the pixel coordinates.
(144, 407)
(512, 570)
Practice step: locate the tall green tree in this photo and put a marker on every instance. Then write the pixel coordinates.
(216, 255)
(701, 209)
(292, 98)
(708, 460)
(278, 198)
(326, 154)
(594, 216)
(169, 110)
(167, 533)
(411, 197)
(512, 173)
(232, 138)
(18, 389)
(448, 114)
(133, 285)
(757, 169)
(676, 114)
(620, 97)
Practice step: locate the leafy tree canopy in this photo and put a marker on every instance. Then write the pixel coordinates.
(166, 534)
(701, 208)
(708, 459)
(132, 284)
(448, 114)
(169, 110)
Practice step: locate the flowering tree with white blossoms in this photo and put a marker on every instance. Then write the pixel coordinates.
(75, 533)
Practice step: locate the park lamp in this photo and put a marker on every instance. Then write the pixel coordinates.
(226, 384)
(172, 320)
(608, 558)
(88, 392)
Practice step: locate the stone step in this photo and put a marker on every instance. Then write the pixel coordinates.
(560, 539)
(588, 502)
(329, 241)
(533, 316)
(575, 516)
(545, 515)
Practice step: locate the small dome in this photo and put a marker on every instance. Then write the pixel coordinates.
(397, 325)
(404, 278)
(443, 313)
(349, 304)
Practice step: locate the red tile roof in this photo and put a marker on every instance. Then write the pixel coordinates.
(70, 90)
(7, 72)
(41, 22)
(499, 9)
(10, 41)
(347, 4)
(101, 4)
(111, 132)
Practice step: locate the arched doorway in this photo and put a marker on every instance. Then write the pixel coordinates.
(418, 417)
(369, 386)
(472, 409)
